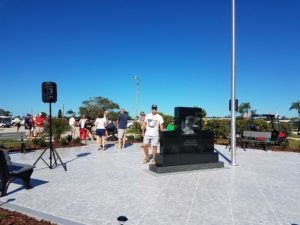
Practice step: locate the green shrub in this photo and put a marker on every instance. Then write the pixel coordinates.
(42, 142)
(138, 138)
(261, 125)
(221, 128)
(241, 125)
(76, 140)
(59, 126)
(284, 144)
(130, 138)
(64, 141)
(136, 128)
(35, 141)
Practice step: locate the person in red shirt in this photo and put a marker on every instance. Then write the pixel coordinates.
(39, 124)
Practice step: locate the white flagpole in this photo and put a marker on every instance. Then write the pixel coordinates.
(233, 97)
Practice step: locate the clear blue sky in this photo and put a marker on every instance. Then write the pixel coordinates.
(180, 49)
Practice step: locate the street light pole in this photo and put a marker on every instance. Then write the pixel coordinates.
(136, 78)
(63, 110)
(233, 95)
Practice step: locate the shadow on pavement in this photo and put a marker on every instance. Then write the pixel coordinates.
(223, 156)
(78, 157)
(34, 183)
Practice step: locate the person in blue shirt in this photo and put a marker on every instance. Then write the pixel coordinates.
(122, 127)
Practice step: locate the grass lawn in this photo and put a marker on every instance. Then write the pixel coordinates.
(294, 144)
(9, 143)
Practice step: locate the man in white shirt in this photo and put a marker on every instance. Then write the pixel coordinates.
(153, 123)
(72, 124)
(101, 123)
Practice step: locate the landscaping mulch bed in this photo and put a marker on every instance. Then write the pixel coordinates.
(280, 149)
(8, 217)
(31, 147)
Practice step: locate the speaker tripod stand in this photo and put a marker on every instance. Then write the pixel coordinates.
(54, 156)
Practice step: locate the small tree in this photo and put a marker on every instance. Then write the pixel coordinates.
(5, 112)
(95, 105)
(167, 118)
(244, 108)
(59, 114)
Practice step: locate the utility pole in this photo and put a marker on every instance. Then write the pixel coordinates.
(63, 110)
(136, 78)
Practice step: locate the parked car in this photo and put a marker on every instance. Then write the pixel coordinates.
(5, 125)
(13, 121)
(5, 121)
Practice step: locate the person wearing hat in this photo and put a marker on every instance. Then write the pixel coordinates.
(153, 124)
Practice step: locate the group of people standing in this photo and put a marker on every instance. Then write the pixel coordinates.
(35, 126)
(103, 126)
(151, 125)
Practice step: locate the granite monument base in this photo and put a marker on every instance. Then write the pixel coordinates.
(186, 158)
(181, 168)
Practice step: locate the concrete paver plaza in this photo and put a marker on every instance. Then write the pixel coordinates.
(99, 186)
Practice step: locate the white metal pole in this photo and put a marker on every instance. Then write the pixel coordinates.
(63, 110)
(233, 96)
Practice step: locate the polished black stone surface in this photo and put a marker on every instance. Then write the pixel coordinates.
(188, 144)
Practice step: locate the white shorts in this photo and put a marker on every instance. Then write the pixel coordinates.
(152, 140)
(39, 130)
(121, 133)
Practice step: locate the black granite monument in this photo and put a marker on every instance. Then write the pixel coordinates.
(188, 147)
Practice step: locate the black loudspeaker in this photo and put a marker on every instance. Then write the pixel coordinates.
(236, 105)
(49, 92)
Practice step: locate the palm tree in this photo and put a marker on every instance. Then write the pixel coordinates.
(296, 106)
